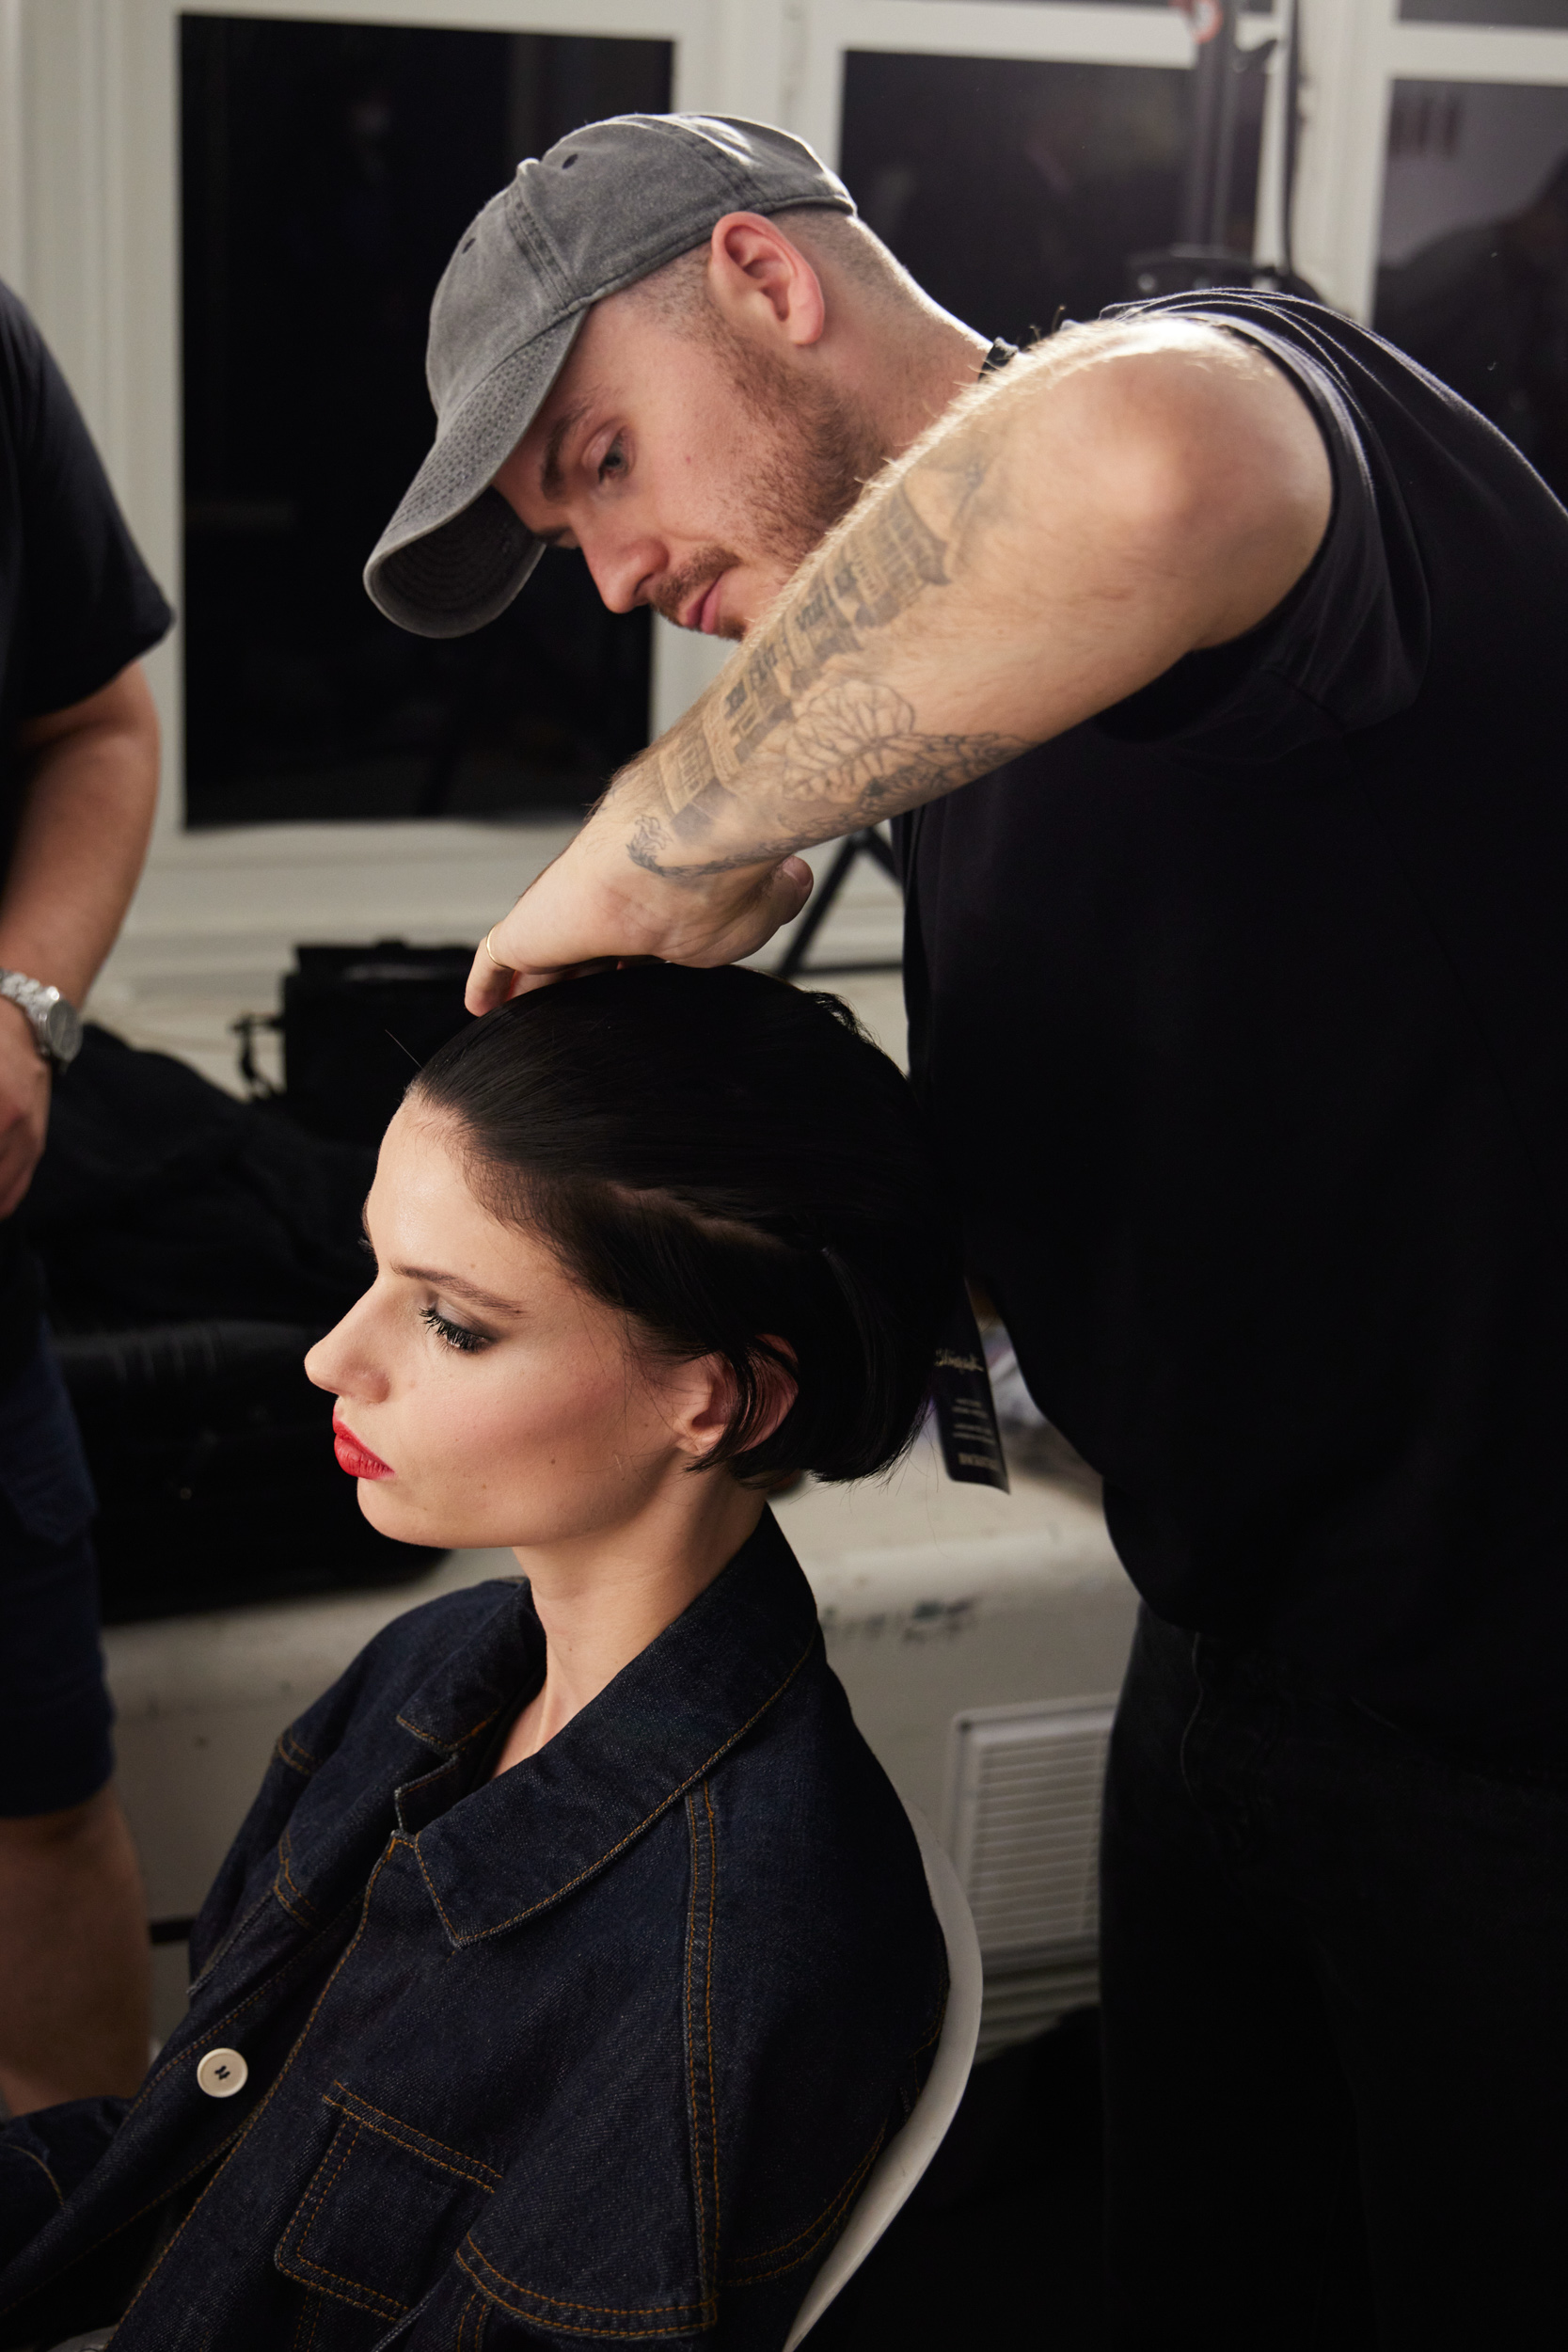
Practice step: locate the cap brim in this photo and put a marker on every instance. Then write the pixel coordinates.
(455, 554)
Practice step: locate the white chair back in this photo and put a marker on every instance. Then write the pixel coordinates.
(909, 2150)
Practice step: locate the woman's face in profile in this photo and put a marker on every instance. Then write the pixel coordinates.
(483, 1397)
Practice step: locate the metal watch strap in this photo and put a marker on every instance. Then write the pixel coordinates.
(55, 1022)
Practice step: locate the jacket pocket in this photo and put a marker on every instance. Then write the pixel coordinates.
(383, 2211)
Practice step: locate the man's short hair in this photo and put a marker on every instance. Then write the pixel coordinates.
(679, 293)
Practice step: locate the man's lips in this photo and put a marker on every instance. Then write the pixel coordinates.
(355, 1458)
(703, 610)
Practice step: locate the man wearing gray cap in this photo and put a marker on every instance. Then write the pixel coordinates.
(1237, 988)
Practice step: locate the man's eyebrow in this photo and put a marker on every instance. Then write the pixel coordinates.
(455, 1284)
(549, 465)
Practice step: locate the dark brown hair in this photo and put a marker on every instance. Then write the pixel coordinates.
(732, 1164)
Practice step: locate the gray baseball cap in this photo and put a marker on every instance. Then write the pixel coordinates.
(607, 206)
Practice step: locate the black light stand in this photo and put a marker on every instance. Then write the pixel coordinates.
(1202, 258)
(869, 843)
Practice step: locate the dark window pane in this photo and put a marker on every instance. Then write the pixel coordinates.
(1474, 251)
(1553, 14)
(328, 170)
(1010, 189)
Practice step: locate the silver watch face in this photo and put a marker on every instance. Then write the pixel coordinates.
(62, 1031)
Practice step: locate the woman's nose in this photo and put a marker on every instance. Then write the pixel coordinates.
(344, 1362)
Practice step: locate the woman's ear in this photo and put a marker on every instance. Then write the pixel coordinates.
(703, 1410)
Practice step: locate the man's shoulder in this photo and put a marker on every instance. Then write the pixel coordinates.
(19, 331)
(22, 364)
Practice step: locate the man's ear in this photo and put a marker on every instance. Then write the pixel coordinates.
(703, 1412)
(762, 283)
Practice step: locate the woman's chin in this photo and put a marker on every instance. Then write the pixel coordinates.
(389, 1513)
(393, 1513)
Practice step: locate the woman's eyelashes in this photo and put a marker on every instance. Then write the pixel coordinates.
(459, 1335)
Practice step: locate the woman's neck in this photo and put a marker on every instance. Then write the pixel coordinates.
(601, 1600)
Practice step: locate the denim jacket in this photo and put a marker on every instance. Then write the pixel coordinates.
(595, 2052)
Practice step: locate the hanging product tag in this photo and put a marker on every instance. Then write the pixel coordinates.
(965, 1409)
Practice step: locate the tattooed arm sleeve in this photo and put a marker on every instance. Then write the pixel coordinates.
(1127, 495)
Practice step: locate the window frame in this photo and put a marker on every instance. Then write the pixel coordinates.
(88, 235)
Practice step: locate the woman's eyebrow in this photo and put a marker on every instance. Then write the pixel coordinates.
(455, 1283)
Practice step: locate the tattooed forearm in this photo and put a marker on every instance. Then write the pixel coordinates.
(797, 745)
(815, 728)
(852, 755)
(862, 582)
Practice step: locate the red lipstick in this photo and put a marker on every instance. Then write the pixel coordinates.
(355, 1458)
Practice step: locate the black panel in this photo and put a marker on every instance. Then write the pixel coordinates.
(328, 170)
(1474, 279)
(1552, 14)
(1011, 189)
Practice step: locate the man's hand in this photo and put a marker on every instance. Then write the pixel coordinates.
(1131, 493)
(23, 1105)
(591, 907)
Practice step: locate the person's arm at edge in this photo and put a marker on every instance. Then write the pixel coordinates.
(80, 842)
(1131, 493)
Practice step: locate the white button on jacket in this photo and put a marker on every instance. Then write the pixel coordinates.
(222, 2072)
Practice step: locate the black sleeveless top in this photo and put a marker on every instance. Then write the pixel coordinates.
(1243, 1013)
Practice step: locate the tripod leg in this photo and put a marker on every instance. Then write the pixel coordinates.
(794, 959)
(871, 841)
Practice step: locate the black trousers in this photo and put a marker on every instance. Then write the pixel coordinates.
(1334, 1974)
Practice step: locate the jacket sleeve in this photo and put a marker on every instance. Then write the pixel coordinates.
(43, 2158)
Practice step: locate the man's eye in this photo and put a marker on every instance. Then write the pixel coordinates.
(456, 1335)
(613, 463)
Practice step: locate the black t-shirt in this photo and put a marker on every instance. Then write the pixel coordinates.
(77, 604)
(1243, 1014)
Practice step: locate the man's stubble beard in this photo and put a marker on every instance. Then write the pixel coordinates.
(821, 451)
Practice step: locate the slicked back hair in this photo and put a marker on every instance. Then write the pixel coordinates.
(731, 1163)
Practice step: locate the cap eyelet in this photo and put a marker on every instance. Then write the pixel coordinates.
(567, 162)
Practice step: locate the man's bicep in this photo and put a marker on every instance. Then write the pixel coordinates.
(123, 707)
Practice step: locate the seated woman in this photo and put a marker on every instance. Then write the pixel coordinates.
(576, 1959)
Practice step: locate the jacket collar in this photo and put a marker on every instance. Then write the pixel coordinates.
(526, 1840)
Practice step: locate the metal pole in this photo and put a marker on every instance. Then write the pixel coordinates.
(1211, 165)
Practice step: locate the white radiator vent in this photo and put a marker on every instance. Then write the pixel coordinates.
(1023, 1828)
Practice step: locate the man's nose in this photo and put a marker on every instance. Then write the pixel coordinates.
(624, 569)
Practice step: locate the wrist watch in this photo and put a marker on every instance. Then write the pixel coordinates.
(57, 1024)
